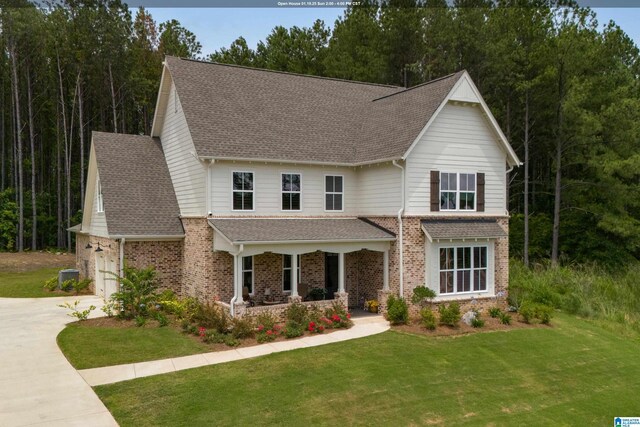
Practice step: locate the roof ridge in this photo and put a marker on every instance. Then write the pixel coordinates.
(420, 85)
(289, 73)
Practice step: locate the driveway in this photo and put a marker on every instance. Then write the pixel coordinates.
(38, 386)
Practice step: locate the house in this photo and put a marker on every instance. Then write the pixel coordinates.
(275, 184)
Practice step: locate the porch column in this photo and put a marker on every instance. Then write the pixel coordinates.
(237, 273)
(294, 275)
(341, 287)
(385, 270)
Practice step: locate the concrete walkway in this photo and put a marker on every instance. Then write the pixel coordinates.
(38, 386)
(363, 327)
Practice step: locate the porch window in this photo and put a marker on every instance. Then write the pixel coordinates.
(242, 191)
(100, 200)
(247, 273)
(291, 190)
(286, 272)
(463, 269)
(334, 192)
(457, 191)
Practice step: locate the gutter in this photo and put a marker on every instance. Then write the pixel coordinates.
(400, 212)
(236, 280)
(506, 208)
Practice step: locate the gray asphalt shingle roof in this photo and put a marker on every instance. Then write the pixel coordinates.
(138, 194)
(244, 230)
(463, 228)
(248, 113)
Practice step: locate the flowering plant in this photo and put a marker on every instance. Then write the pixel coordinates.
(316, 328)
(372, 306)
(202, 331)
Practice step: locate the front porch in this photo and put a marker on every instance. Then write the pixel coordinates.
(313, 261)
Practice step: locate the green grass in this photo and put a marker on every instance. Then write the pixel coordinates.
(574, 373)
(92, 347)
(27, 284)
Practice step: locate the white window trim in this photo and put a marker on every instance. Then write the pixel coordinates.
(289, 268)
(290, 192)
(247, 191)
(343, 192)
(253, 281)
(458, 191)
(472, 269)
(100, 198)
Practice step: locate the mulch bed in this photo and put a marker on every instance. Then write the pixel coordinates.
(490, 325)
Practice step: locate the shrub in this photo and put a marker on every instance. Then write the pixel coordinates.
(397, 311)
(428, 318)
(495, 312)
(80, 285)
(183, 308)
(422, 295)
(110, 307)
(314, 314)
(80, 315)
(297, 313)
(140, 321)
(372, 306)
(532, 310)
(242, 327)
(212, 316)
(213, 337)
(505, 319)
(317, 294)
(67, 285)
(231, 341)
(449, 315)
(338, 316)
(162, 319)
(51, 284)
(266, 319)
(137, 291)
(477, 321)
(317, 328)
(293, 329)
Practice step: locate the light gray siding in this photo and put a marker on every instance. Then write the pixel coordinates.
(379, 189)
(459, 140)
(267, 188)
(187, 172)
(98, 224)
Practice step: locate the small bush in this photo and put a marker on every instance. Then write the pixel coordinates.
(140, 321)
(505, 319)
(137, 291)
(531, 310)
(267, 320)
(51, 284)
(338, 315)
(213, 337)
(242, 327)
(293, 329)
(428, 318)
(397, 311)
(78, 314)
(80, 285)
(495, 312)
(317, 294)
(110, 308)
(477, 321)
(317, 328)
(184, 308)
(297, 313)
(449, 315)
(422, 295)
(231, 341)
(67, 285)
(212, 316)
(162, 319)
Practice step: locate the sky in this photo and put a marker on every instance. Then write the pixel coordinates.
(218, 27)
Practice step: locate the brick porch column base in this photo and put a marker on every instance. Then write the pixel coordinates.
(383, 296)
(295, 299)
(240, 308)
(343, 298)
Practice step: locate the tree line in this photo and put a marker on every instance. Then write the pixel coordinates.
(563, 87)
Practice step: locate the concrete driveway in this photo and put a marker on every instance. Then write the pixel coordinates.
(38, 386)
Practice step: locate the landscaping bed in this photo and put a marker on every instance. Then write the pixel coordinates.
(491, 324)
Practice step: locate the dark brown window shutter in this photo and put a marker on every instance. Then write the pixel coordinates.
(480, 191)
(435, 191)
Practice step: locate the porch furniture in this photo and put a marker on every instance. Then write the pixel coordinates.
(247, 297)
(303, 291)
(272, 302)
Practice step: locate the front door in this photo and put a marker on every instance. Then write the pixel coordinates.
(330, 274)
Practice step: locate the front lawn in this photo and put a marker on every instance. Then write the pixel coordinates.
(88, 346)
(573, 373)
(27, 284)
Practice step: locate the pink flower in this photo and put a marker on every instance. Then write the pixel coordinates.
(336, 318)
(260, 328)
(348, 315)
(269, 332)
(321, 328)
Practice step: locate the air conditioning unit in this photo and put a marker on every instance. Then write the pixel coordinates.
(68, 274)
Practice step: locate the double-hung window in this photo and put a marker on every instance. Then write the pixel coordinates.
(457, 191)
(247, 273)
(100, 200)
(334, 192)
(463, 269)
(242, 191)
(286, 272)
(291, 191)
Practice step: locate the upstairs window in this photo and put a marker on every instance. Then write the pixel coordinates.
(242, 191)
(334, 192)
(100, 200)
(457, 191)
(291, 191)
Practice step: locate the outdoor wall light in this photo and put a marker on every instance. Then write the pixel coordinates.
(88, 246)
(98, 249)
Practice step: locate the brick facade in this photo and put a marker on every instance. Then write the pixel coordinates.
(164, 256)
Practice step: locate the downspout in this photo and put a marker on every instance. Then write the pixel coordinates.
(400, 213)
(235, 281)
(208, 187)
(122, 257)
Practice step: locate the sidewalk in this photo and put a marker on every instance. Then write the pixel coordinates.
(362, 327)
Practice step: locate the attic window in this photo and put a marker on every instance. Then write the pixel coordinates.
(100, 201)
